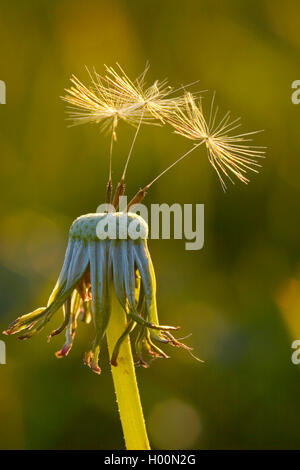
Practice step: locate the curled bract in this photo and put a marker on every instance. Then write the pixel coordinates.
(92, 267)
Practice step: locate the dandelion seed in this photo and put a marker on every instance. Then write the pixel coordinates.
(115, 98)
(157, 101)
(100, 105)
(228, 153)
(154, 103)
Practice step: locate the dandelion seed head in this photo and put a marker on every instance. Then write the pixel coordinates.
(92, 269)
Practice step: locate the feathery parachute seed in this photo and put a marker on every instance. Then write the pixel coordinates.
(156, 101)
(116, 97)
(227, 152)
(98, 104)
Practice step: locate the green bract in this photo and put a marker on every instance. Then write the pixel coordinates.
(90, 269)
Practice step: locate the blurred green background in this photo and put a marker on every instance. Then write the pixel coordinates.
(239, 296)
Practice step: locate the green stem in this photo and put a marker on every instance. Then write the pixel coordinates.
(126, 388)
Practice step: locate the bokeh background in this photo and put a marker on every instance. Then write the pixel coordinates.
(239, 296)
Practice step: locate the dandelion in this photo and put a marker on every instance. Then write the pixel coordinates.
(101, 265)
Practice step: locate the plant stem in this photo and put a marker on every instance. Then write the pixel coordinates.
(126, 388)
